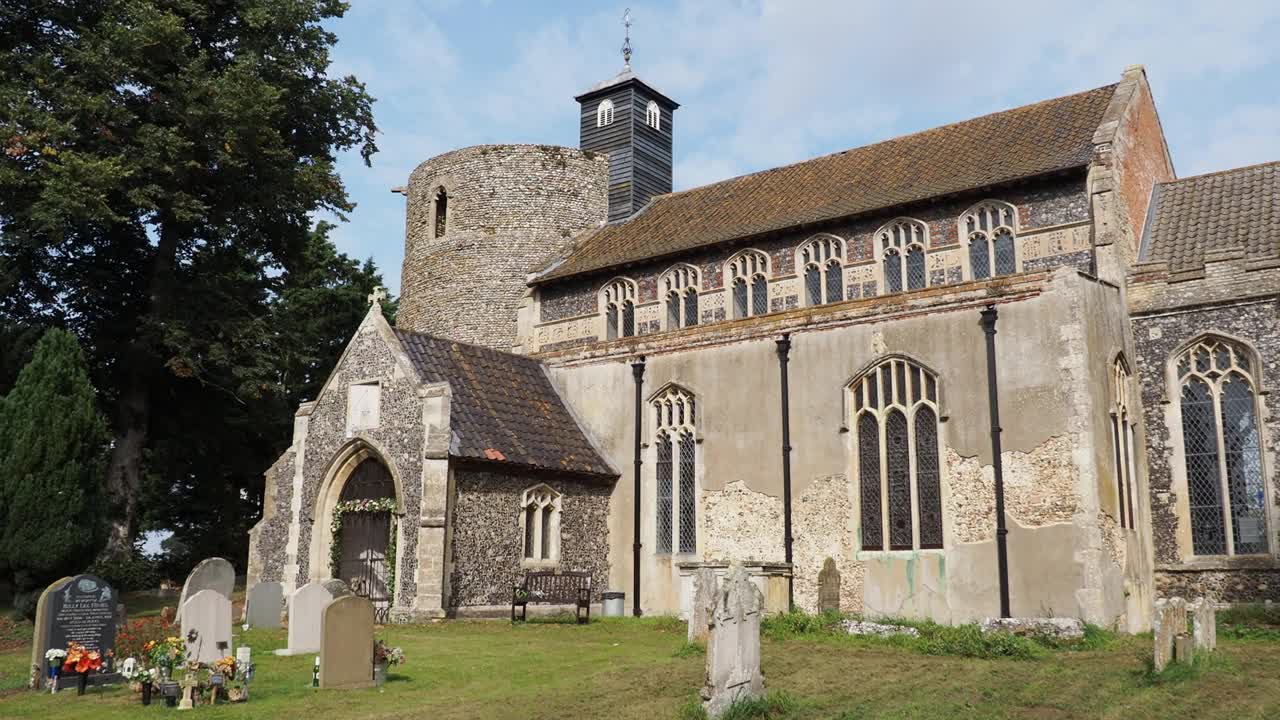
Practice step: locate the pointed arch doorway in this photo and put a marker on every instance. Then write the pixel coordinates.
(366, 541)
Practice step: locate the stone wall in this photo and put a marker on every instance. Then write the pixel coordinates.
(487, 546)
(509, 209)
(271, 534)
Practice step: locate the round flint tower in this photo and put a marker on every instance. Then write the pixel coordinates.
(479, 220)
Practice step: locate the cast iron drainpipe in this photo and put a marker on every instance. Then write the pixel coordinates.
(784, 351)
(637, 372)
(993, 400)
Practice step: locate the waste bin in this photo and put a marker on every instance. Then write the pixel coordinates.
(614, 603)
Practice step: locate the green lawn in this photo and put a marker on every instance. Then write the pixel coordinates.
(635, 669)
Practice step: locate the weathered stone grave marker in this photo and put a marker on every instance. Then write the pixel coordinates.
(733, 649)
(212, 574)
(80, 609)
(336, 588)
(306, 606)
(1204, 625)
(1168, 622)
(829, 587)
(704, 601)
(262, 605)
(40, 638)
(346, 643)
(208, 612)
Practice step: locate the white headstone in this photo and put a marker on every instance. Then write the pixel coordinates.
(208, 613)
(243, 655)
(262, 605)
(212, 574)
(733, 647)
(306, 607)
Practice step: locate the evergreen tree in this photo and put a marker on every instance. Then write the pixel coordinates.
(53, 442)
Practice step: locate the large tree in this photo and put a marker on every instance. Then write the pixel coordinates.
(161, 160)
(53, 444)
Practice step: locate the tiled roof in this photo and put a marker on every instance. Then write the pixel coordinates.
(504, 408)
(1231, 210)
(1006, 146)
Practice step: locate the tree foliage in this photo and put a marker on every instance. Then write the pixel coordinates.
(160, 163)
(53, 443)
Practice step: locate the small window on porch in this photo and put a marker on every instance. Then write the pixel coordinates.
(540, 516)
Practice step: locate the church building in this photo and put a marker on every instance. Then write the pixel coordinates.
(834, 372)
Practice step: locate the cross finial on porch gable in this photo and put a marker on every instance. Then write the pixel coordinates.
(378, 295)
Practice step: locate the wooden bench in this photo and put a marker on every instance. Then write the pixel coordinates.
(553, 588)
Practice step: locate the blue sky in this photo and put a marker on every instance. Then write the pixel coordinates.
(765, 83)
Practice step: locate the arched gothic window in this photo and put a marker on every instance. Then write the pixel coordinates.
(653, 115)
(748, 273)
(1222, 447)
(819, 261)
(991, 229)
(604, 113)
(679, 287)
(442, 212)
(895, 416)
(901, 245)
(676, 509)
(540, 521)
(1122, 442)
(619, 300)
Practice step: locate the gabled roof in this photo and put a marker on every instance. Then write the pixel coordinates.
(1024, 142)
(504, 408)
(1230, 210)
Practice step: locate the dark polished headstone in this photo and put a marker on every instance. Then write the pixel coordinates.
(81, 609)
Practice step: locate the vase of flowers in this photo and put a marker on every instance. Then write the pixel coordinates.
(384, 656)
(53, 659)
(166, 654)
(82, 661)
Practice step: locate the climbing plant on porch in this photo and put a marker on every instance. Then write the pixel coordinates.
(376, 505)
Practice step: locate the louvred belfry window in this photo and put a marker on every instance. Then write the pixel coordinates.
(1222, 448)
(990, 229)
(675, 475)
(901, 246)
(895, 421)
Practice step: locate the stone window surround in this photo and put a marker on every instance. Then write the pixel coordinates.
(1122, 393)
(966, 238)
(1178, 468)
(445, 189)
(747, 265)
(353, 425)
(617, 292)
(878, 252)
(667, 391)
(811, 253)
(540, 496)
(680, 279)
(604, 113)
(939, 406)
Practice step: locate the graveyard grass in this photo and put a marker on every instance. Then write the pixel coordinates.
(643, 669)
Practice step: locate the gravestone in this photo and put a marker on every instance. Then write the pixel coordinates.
(40, 638)
(1167, 622)
(733, 649)
(346, 643)
(211, 574)
(262, 605)
(208, 612)
(1204, 625)
(829, 587)
(306, 605)
(337, 588)
(704, 600)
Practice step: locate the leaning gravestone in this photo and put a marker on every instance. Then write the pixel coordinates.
(40, 639)
(306, 605)
(208, 613)
(211, 574)
(346, 643)
(81, 609)
(704, 601)
(733, 651)
(829, 587)
(262, 605)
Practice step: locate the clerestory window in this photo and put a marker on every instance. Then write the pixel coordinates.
(819, 262)
(679, 286)
(619, 301)
(901, 246)
(990, 229)
(747, 274)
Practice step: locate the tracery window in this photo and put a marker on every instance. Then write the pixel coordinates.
(442, 212)
(748, 273)
(1122, 442)
(619, 300)
(653, 115)
(990, 229)
(901, 245)
(895, 417)
(676, 514)
(540, 518)
(1222, 447)
(819, 262)
(604, 113)
(679, 286)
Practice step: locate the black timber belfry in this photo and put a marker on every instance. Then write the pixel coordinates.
(639, 155)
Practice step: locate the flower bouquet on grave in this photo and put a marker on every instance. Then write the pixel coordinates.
(166, 654)
(238, 686)
(384, 656)
(223, 670)
(82, 661)
(139, 677)
(53, 658)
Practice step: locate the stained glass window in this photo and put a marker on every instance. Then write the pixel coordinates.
(688, 513)
(869, 479)
(835, 282)
(664, 507)
(898, 463)
(916, 276)
(813, 285)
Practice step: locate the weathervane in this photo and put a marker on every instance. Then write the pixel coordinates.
(626, 44)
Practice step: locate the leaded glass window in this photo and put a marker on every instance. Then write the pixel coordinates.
(892, 271)
(917, 278)
(813, 284)
(676, 510)
(901, 247)
(900, 492)
(673, 311)
(690, 307)
(619, 300)
(1006, 262)
(611, 322)
(759, 295)
(818, 259)
(747, 272)
(680, 284)
(628, 318)
(1222, 449)
(979, 256)
(835, 281)
(740, 307)
(991, 230)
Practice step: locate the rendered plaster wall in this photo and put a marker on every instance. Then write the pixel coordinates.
(1051, 405)
(488, 546)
